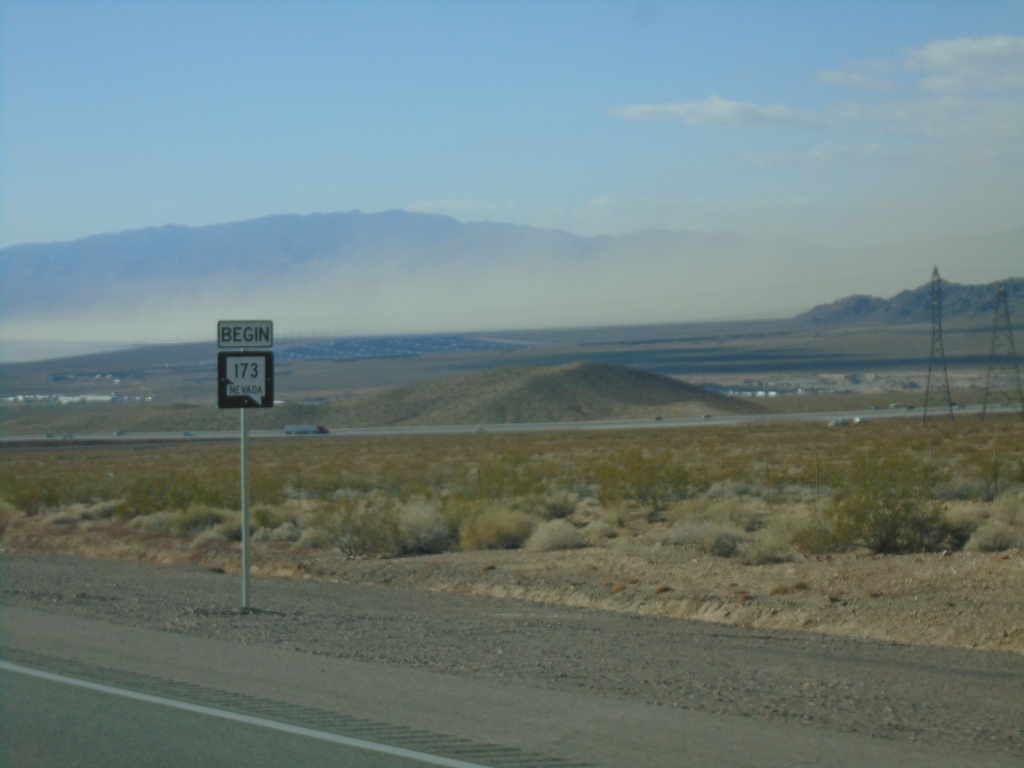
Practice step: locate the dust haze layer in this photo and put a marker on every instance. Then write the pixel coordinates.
(402, 272)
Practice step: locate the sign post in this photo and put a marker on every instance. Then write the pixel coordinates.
(245, 380)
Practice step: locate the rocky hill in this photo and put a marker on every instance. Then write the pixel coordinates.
(960, 303)
(527, 394)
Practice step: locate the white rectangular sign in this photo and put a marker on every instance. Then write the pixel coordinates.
(245, 334)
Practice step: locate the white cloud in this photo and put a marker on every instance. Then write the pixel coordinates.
(931, 140)
(968, 64)
(941, 67)
(949, 103)
(715, 111)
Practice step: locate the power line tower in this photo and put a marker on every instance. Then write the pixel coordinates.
(938, 355)
(1002, 357)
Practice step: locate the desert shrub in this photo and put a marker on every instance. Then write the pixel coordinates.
(160, 523)
(560, 506)
(771, 545)
(1008, 507)
(617, 515)
(359, 525)
(496, 528)
(312, 538)
(265, 517)
(547, 506)
(649, 480)
(555, 534)
(457, 512)
(886, 507)
(598, 531)
(961, 490)
(509, 477)
(795, 494)
(32, 498)
(286, 531)
(816, 537)
(995, 536)
(209, 536)
(708, 536)
(741, 488)
(992, 475)
(746, 513)
(180, 490)
(194, 520)
(422, 530)
(231, 527)
(60, 517)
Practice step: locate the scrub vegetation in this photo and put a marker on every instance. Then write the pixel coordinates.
(764, 493)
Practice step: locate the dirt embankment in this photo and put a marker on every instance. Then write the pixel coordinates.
(961, 600)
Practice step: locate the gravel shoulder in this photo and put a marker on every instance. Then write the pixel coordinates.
(373, 611)
(970, 600)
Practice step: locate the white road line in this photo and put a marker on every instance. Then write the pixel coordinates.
(261, 722)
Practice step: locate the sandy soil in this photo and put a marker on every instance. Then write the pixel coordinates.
(960, 600)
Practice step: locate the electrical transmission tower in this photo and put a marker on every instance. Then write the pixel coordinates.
(1002, 357)
(938, 354)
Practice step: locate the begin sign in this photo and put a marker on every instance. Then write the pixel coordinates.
(245, 379)
(240, 334)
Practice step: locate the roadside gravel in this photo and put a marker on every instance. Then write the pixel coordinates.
(969, 698)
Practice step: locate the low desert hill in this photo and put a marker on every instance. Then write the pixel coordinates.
(527, 394)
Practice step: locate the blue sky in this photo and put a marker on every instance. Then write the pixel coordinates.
(847, 123)
(811, 119)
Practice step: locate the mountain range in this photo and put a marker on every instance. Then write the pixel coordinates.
(959, 303)
(341, 274)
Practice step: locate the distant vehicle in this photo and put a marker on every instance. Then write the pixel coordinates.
(839, 422)
(186, 434)
(48, 435)
(305, 429)
(69, 436)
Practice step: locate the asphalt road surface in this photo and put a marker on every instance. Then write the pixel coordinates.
(487, 682)
(847, 418)
(49, 720)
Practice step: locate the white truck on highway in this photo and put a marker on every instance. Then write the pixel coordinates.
(305, 429)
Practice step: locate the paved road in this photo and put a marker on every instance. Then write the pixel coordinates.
(58, 721)
(864, 416)
(498, 723)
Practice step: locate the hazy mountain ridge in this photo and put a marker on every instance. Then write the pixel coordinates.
(274, 244)
(277, 245)
(401, 272)
(959, 302)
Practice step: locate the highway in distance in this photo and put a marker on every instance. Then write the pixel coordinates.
(845, 418)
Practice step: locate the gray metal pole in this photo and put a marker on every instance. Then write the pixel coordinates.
(245, 512)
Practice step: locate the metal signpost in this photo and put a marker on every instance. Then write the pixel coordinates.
(245, 380)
